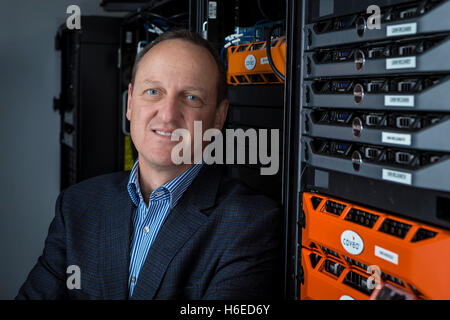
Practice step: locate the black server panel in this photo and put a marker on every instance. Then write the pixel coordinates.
(254, 109)
(87, 103)
(372, 111)
(257, 107)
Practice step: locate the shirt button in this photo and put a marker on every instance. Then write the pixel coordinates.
(133, 279)
(159, 193)
(146, 229)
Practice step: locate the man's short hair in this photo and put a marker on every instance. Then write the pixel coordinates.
(193, 38)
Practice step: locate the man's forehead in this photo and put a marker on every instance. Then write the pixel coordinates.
(177, 53)
(180, 47)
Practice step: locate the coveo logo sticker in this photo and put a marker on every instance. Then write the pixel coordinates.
(250, 62)
(352, 242)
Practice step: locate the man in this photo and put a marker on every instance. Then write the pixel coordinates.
(164, 231)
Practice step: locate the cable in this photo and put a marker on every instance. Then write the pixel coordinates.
(269, 53)
(179, 15)
(225, 62)
(271, 10)
(157, 16)
(153, 28)
(262, 11)
(261, 21)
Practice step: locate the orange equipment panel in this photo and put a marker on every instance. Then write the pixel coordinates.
(249, 64)
(411, 256)
(328, 278)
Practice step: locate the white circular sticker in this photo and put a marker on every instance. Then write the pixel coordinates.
(250, 62)
(345, 297)
(352, 242)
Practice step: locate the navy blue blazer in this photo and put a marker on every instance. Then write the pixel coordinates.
(221, 241)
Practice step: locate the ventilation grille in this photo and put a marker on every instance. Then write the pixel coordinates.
(358, 282)
(315, 202)
(330, 252)
(361, 217)
(315, 258)
(393, 279)
(334, 207)
(333, 267)
(395, 228)
(416, 291)
(390, 14)
(356, 263)
(358, 273)
(423, 234)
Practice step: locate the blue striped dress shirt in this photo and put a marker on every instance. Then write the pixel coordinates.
(148, 220)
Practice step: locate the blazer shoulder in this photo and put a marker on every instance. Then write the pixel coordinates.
(101, 182)
(103, 187)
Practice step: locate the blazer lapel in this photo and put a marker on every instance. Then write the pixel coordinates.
(180, 225)
(115, 239)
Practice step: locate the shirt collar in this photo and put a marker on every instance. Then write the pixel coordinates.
(173, 189)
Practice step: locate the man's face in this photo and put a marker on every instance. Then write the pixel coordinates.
(175, 85)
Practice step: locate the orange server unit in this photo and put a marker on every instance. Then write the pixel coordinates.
(249, 64)
(358, 253)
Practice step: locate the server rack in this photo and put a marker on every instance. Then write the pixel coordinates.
(253, 104)
(87, 103)
(367, 167)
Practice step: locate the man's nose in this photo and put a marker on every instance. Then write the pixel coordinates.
(169, 109)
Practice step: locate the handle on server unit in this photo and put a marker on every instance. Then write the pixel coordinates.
(124, 113)
(205, 30)
(360, 59)
(358, 93)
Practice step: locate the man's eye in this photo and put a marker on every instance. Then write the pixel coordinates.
(151, 92)
(193, 98)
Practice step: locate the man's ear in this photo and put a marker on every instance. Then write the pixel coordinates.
(221, 114)
(130, 92)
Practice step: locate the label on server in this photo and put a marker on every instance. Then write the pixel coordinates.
(397, 176)
(68, 117)
(68, 140)
(128, 37)
(352, 242)
(386, 255)
(396, 138)
(401, 29)
(401, 63)
(399, 101)
(212, 10)
(250, 62)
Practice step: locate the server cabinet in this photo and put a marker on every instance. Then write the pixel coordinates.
(367, 176)
(87, 102)
(238, 30)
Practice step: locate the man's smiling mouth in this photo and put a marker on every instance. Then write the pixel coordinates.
(163, 133)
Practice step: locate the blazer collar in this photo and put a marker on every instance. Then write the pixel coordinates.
(115, 242)
(180, 225)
